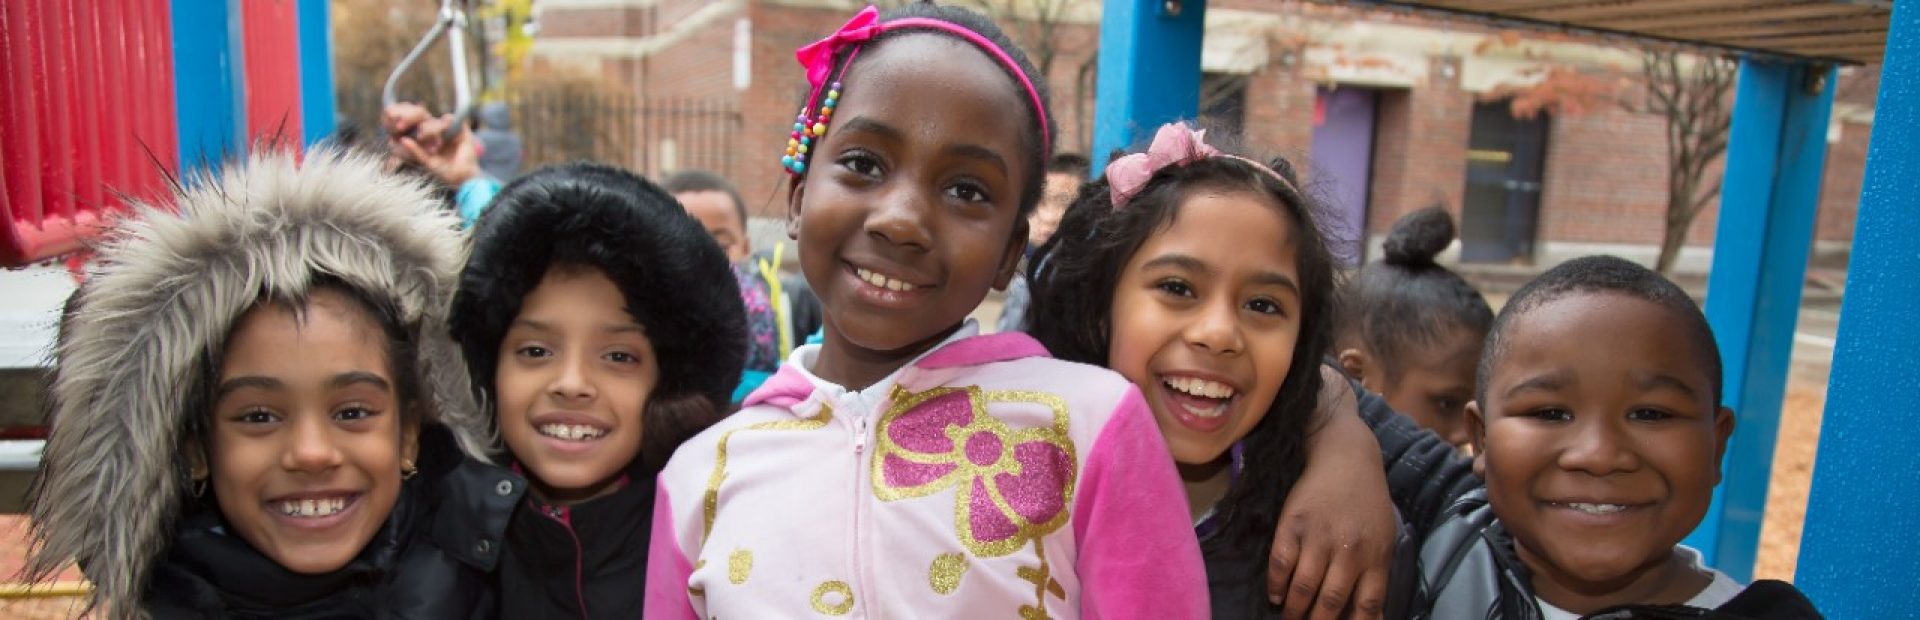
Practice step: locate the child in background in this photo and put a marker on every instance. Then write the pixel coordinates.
(1201, 277)
(717, 205)
(1597, 425)
(603, 328)
(1065, 173)
(906, 467)
(1410, 330)
(257, 413)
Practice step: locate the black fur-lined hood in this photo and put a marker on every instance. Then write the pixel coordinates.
(676, 280)
(168, 285)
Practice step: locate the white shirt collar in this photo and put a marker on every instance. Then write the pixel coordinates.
(868, 399)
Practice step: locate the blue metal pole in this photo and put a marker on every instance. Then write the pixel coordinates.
(1776, 154)
(1149, 70)
(1858, 556)
(207, 64)
(316, 71)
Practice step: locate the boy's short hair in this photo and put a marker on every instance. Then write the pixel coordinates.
(688, 181)
(1602, 274)
(677, 283)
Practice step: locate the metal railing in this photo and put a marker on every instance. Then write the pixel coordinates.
(652, 137)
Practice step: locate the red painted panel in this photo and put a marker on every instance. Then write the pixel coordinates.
(165, 135)
(127, 121)
(89, 191)
(15, 184)
(61, 152)
(19, 168)
(140, 38)
(273, 69)
(116, 121)
(85, 95)
(24, 138)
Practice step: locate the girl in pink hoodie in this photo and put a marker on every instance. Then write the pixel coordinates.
(908, 467)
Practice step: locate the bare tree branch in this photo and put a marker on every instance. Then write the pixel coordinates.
(1704, 198)
(1692, 100)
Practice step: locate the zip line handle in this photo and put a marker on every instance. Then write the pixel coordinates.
(451, 23)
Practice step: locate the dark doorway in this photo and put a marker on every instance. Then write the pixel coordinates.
(1504, 166)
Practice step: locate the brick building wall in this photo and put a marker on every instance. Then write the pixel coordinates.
(1854, 97)
(769, 106)
(1604, 175)
(1606, 180)
(1840, 187)
(1279, 113)
(700, 66)
(1420, 147)
(597, 22)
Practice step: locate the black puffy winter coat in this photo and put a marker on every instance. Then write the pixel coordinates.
(433, 559)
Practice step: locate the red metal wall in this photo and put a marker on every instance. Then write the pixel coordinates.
(86, 117)
(272, 36)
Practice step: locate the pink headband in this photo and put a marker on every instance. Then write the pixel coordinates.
(1174, 144)
(817, 57)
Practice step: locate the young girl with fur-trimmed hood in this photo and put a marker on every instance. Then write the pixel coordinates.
(602, 327)
(256, 411)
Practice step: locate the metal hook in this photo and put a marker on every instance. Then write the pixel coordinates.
(452, 23)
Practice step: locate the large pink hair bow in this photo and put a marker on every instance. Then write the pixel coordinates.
(817, 56)
(1174, 144)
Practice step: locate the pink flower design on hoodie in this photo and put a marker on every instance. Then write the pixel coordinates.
(1013, 485)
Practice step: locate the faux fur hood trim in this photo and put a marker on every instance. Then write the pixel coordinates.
(676, 281)
(167, 287)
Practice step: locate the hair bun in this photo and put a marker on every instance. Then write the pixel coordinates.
(1419, 236)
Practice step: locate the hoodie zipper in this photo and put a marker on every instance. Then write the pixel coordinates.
(860, 504)
(563, 516)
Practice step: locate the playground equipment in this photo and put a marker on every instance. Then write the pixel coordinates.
(1852, 562)
(102, 99)
(452, 24)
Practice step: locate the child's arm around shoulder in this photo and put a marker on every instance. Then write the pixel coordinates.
(1334, 542)
(1138, 554)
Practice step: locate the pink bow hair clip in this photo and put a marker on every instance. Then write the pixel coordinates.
(1174, 144)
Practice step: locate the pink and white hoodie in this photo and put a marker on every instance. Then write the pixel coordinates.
(984, 480)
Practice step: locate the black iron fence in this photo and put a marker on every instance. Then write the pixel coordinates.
(572, 120)
(648, 136)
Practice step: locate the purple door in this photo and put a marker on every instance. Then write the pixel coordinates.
(1343, 163)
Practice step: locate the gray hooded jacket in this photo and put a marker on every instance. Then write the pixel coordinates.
(168, 285)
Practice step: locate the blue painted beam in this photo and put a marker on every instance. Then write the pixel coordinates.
(1776, 154)
(1858, 554)
(1149, 71)
(316, 71)
(207, 82)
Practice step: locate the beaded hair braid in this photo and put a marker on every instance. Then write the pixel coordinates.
(810, 125)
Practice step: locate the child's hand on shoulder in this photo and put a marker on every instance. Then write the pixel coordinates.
(1334, 542)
